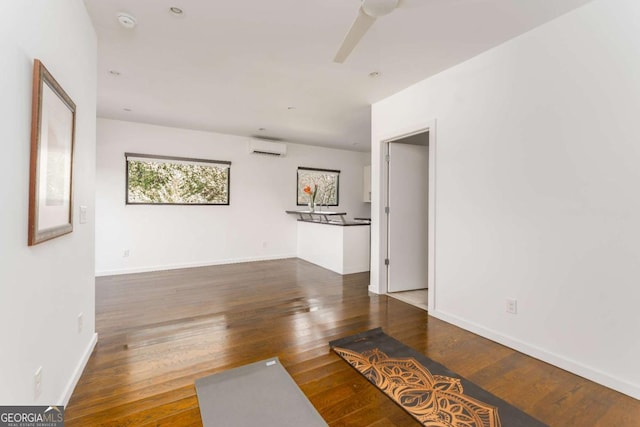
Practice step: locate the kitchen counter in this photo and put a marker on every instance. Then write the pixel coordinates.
(318, 215)
(340, 223)
(343, 248)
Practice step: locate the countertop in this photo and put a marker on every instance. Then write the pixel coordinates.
(336, 222)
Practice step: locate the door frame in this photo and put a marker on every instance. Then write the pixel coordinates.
(430, 127)
(423, 189)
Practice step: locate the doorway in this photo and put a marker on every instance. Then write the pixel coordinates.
(407, 212)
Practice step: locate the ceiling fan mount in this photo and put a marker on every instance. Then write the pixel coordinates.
(378, 8)
(369, 11)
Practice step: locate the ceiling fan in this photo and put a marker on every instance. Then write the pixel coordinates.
(369, 11)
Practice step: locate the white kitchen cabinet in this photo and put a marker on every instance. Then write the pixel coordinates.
(366, 194)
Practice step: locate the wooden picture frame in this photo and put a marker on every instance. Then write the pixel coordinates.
(53, 119)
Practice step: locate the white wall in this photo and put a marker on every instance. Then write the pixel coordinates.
(43, 288)
(253, 227)
(537, 190)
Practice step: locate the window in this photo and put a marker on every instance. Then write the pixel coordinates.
(164, 180)
(325, 182)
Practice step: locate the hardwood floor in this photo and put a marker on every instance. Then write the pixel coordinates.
(159, 332)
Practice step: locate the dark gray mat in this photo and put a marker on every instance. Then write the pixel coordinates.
(259, 394)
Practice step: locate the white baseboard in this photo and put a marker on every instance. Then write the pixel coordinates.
(554, 359)
(77, 373)
(190, 265)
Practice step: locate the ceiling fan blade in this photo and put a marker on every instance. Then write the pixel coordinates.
(360, 26)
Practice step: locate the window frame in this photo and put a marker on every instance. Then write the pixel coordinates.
(177, 159)
(329, 171)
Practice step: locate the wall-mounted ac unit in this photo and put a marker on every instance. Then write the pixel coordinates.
(269, 148)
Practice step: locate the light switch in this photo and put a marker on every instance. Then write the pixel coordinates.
(83, 214)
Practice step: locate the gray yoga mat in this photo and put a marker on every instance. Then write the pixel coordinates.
(260, 394)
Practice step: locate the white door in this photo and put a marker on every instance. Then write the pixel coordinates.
(408, 214)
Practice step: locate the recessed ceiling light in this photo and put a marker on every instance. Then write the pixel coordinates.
(127, 109)
(114, 72)
(126, 20)
(374, 74)
(176, 10)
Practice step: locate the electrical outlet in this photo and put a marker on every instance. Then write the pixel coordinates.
(80, 322)
(37, 382)
(264, 245)
(512, 306)
(125, 254)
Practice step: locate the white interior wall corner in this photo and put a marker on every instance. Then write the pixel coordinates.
(45, 287)
(537, 156)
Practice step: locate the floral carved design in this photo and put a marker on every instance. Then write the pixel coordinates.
(434, 400)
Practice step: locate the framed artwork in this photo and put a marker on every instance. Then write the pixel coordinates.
(324, 186)
(53, 118)
(167, 180)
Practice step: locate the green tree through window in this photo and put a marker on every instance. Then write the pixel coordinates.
(176, 180)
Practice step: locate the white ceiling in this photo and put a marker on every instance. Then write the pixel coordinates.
(236, 66)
